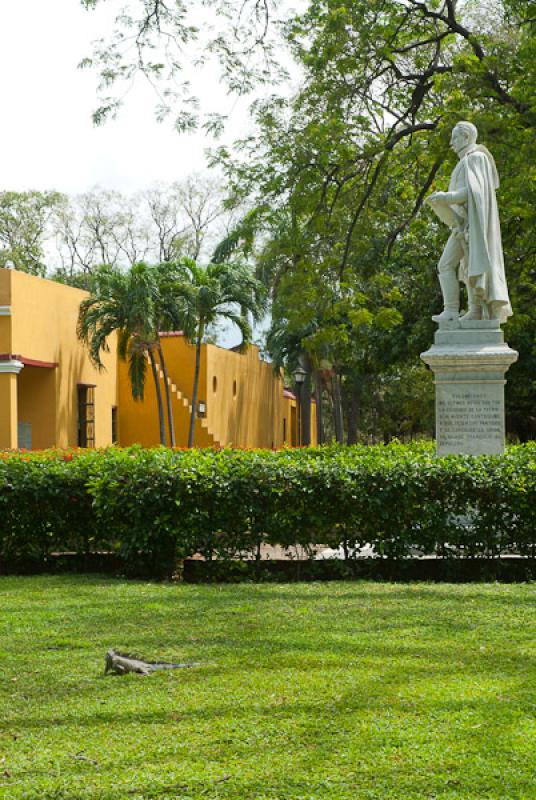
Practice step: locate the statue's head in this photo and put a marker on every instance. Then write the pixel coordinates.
(464, 134)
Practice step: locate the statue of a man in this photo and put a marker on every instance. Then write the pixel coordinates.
(473, 253)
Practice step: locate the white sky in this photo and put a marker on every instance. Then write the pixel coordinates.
(47, 138)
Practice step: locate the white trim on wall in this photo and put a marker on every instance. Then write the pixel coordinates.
(11, 366)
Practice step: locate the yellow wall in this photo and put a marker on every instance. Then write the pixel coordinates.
(42, 327)
(245, 404)
(5, 319)
(244, 398)
(138, 421)
(180, 362)
(37, 404)
(243, 395)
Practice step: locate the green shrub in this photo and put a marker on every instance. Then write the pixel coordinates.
(157, 506)
(45, 506)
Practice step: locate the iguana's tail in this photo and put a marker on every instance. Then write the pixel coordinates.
(164, 665)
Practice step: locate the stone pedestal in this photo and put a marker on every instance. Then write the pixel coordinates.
(469, 361)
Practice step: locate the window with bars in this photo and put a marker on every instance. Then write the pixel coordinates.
(86, 416)
(24, 430)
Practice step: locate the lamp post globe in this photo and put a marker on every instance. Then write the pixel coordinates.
(299, 375)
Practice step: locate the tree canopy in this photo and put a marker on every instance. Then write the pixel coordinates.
(25, 219)
(160, 40)
(334, 177)
(338, 174)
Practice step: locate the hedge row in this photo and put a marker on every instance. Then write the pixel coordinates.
(154, 506)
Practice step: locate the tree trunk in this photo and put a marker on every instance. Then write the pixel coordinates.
(196, 385)
(171, 425)
(354, 409)
(320, 436)
(299, 409)
(306, 405)
(337, 409)
(156, 379)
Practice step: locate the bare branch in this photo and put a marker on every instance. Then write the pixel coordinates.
(455, 26)
(368, 192)
(418, 203)
(422, 43)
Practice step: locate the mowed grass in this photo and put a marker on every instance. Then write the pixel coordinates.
(335, 690)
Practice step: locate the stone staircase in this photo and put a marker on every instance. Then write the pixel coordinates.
(182, 410)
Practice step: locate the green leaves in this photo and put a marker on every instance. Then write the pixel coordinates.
(159, 40)
(154, 506)
(202, 295)
(341, 169)
(24, 221)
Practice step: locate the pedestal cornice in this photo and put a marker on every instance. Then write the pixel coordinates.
(468, 358)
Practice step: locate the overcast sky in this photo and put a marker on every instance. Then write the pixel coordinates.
(48, 140)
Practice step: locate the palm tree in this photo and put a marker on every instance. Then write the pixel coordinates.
(129, 304)
(170, 315)
(203, 295)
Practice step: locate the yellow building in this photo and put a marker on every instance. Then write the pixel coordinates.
(52, 396)
(50, 393)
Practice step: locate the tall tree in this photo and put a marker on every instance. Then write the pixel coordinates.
(338, 173)
(101, 227)
(126, 303)
(184, 217)
(25, 220)
(161, 224)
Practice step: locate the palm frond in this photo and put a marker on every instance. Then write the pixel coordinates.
(137, 370)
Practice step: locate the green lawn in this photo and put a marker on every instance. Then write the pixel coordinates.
(334, 690)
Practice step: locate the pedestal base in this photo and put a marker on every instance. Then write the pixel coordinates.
(469, 361)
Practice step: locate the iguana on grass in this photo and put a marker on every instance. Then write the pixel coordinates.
(121, 663)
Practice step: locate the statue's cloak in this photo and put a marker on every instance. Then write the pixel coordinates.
(484, 262)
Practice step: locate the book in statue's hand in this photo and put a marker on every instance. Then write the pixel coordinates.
(445, 212)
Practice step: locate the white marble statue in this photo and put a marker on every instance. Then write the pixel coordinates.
(473, 253)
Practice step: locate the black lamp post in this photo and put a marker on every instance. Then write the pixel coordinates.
(299, 377)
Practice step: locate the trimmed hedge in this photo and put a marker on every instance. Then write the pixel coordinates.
(155, 506)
